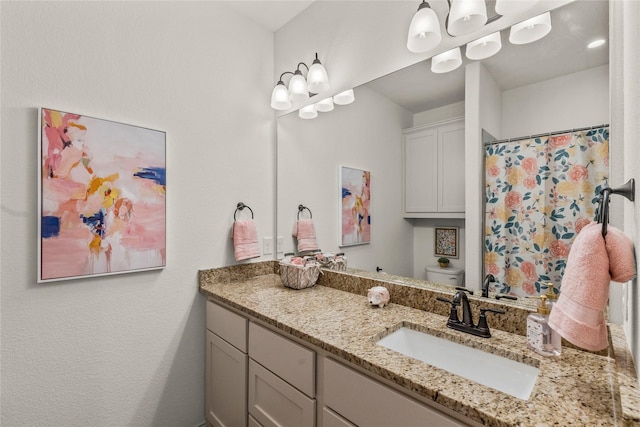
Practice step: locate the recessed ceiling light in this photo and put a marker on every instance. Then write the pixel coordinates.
(596, 43)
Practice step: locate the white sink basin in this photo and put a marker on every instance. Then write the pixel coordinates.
(500, 373)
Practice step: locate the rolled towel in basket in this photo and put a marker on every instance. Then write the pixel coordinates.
(305, 233)
(245, 240)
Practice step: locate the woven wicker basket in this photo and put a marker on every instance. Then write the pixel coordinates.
(299, 276)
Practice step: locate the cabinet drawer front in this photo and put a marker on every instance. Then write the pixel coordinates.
(228, 325)
(226, 383)
(290, 361)
(366, 402)
(331, 419)
(274, 403)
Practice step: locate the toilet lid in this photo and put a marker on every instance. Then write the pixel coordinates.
(448, 270)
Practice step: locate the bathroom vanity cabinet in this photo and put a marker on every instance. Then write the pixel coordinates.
(434, 170)
(258, 377)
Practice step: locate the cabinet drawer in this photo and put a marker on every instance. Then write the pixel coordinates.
(274, 403)
(290, 361)
(331, 419)
(366, 402)
(228, 325)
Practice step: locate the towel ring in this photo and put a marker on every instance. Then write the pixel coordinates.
(302, 208)
(627, 190)
(240, 207)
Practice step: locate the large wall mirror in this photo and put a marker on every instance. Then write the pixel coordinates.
(553, 84)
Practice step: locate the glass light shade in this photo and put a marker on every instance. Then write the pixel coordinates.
(344, 98)
(298, 91)
(280, 97)
(512, 7)
(466, 16)
(308, 112)
(531, 30)
(424, 31)
(447, 61)
(484, 47)
(317, 78)
(325, 105)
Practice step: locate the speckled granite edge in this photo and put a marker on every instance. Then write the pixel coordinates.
(626, 377)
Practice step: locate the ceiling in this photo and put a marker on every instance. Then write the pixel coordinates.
(415, 88)
(271, 14)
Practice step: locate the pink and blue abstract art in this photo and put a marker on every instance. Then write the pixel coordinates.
(102, 197)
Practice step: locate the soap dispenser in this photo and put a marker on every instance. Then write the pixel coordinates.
(540, 337)
(552, 297)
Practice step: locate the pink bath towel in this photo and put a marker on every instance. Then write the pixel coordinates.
(593, 262)
(245, 240)
(305, 233)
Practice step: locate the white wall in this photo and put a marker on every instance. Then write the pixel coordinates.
(573, 101)
(128, 349)
(366, 134)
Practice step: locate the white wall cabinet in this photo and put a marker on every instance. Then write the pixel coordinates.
(434, 170)
(226, 368)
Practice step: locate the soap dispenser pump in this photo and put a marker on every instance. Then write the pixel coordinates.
(552, 297)
(541, 338)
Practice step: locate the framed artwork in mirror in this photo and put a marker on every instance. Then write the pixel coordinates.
(446, 241)
(101, 197)
(355, 212)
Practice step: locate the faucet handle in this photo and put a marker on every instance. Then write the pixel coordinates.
(453, 314)
(483, 326)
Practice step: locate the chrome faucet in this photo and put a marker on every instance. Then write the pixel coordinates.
(489, 278)
(466, 325)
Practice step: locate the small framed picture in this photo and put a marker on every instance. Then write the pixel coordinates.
(446, 241)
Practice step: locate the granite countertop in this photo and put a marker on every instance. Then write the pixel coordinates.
(576, 388)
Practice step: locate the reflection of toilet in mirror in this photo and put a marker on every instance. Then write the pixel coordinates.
(449, 275)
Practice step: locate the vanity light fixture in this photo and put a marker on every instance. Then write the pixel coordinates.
(447, 61)
(484, 47)
(308, 112)
(300, 87)
(344, 98)
(424, 31)
(466, 16)
(325, 105)
(531, 30)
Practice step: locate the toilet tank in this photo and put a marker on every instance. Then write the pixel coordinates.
(449, 275)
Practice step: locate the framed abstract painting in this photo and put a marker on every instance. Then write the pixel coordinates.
(446, 241)
(355, 208)
(101, 197)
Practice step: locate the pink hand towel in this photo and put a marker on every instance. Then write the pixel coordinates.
(305, 232)
(245, 240)
(593, 262)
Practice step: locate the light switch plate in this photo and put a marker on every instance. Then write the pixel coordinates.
(267, 245)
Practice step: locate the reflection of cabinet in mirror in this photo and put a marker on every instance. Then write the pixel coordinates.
(434, 170)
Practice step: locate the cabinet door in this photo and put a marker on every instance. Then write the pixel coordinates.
(451, 167)
(421, 171)
(275, 403)
(226, 383)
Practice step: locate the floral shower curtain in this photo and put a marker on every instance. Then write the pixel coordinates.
(539, 193)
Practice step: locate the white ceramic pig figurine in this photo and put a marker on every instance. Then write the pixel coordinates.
(378, 295)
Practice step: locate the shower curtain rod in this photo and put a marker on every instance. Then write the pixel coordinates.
(522, 138)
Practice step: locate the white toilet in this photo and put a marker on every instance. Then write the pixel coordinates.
(449, 275)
